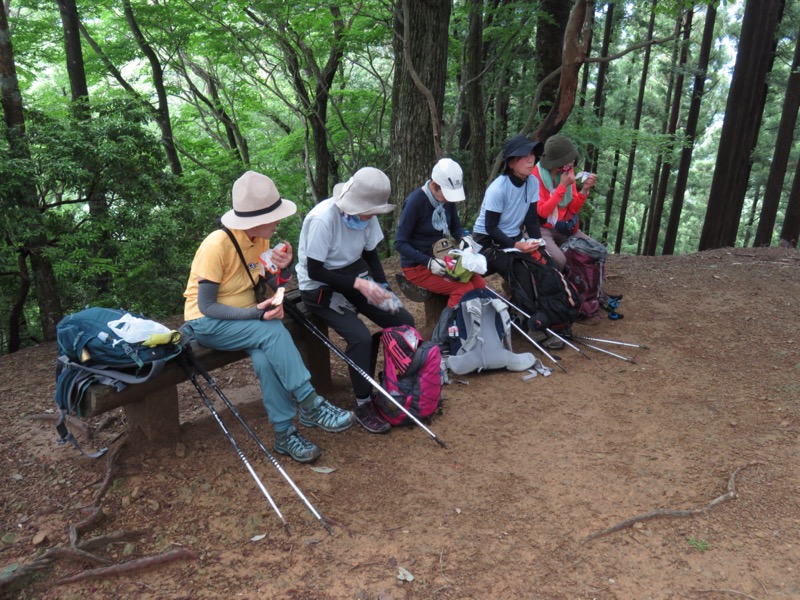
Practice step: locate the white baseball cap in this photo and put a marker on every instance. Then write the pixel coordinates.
(448, 175)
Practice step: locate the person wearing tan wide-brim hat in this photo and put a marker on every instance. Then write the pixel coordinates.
(223, 312)
(340, 275)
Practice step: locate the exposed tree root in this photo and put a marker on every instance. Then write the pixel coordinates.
(80, 550)
(138, 564)
(73, 423)
(729, 495)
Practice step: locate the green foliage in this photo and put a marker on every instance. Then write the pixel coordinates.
(699, 545)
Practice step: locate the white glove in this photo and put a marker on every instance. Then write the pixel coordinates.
(437, 267)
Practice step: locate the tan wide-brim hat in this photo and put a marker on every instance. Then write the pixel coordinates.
(366, 192)
(256, 201)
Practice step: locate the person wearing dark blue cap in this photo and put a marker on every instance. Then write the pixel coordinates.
(508, 225)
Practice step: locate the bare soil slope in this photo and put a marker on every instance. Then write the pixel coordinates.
(532, 468)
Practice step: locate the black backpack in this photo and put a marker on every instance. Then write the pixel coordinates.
(542, 291)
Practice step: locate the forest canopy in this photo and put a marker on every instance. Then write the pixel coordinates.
(127, 121)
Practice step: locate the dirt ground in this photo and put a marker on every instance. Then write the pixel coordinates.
(532, 469)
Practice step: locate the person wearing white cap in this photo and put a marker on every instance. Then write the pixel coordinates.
(429, 214)
(341, 276)
(222, 311)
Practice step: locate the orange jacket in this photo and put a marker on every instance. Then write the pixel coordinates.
(548, 202)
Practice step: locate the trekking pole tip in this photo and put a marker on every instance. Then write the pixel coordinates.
(440, 442)
(287, 528)
(643, 346)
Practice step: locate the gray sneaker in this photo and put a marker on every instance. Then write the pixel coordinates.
(327, 417)
(295, 445)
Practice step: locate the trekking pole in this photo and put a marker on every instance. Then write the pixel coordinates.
(592, 339)
(604, 351)
(213, 383)
(295, 313)
(538, 347)
(207, 401)
(547, 329)
(563, 339)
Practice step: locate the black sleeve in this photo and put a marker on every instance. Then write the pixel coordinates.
(532, 222)
(374, 264)
(493, 229)
(338, 281)
(207, 303)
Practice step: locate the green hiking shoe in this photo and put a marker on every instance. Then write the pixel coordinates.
(291, 443)
(327, 417)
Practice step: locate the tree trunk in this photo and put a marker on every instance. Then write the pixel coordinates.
(791, 223)
(623, 208)
(598, 106)
(740, 127)
(29, 231)
(98, 207)
(654, 224)
(576, 40)
(475, 169)
(74, 54)
(780, 158)
(682, 177)
(162, 109)
(552, 17)
(751, 219)
(420, 50)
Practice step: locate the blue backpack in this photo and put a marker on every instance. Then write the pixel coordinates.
(92, 348)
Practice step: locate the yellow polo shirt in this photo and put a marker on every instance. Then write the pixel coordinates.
(216, 260)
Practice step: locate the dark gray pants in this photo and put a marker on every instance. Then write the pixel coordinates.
(362, 349)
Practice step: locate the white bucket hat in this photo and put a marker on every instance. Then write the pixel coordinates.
(447, 174)
(366, 192)
(256, 201)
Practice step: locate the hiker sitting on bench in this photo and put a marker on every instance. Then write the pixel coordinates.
(222, 311)
(507, 226)
(559, 198)
(430, 213)
(341, 277)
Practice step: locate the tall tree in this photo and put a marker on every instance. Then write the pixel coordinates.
(475, 169)
(790, 231)
(739, 132)
(22, 221)
(654, 222)
(551, 21)
(420, 50)
(598, 105)
(576, 42)
(780, 159)
(690, 131)
(623, 208)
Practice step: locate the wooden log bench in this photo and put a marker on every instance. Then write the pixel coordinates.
(434, 303)
(151, 408)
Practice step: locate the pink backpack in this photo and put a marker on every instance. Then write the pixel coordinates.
(412, 375)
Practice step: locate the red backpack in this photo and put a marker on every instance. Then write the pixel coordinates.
(412, 375)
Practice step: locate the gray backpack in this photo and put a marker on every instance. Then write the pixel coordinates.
(480, 336)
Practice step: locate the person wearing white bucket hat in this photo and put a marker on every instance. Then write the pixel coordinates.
(340, 275)
(223, 312)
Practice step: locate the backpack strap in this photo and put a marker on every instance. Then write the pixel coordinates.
(71, 384)
(118, 379)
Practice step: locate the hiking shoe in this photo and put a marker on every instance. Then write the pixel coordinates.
(370, 419)
(291, 443)
(327, 417)
(553, 343)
